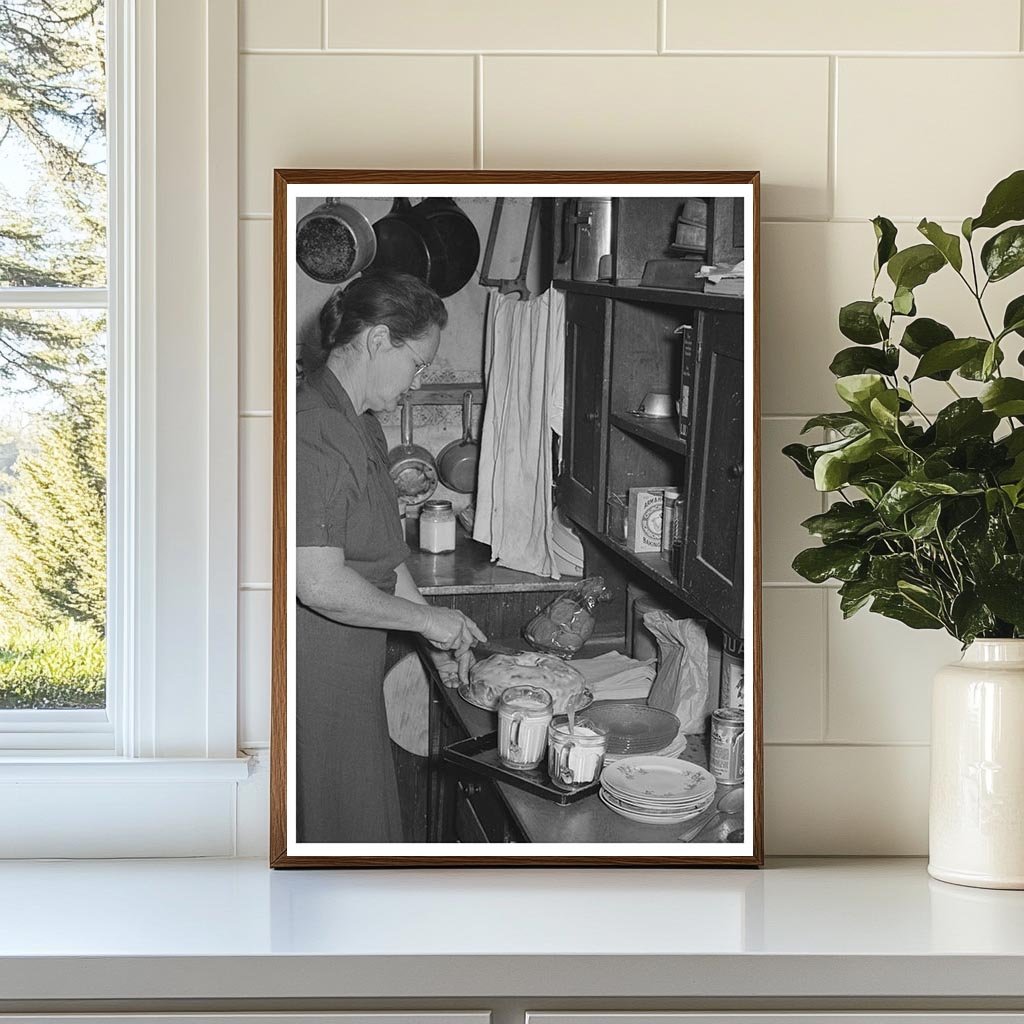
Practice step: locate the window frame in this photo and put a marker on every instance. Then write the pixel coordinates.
(165, 777)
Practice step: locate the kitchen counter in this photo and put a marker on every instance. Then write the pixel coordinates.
(469, 570)
(809, 932)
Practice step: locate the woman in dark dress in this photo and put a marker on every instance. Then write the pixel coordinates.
(351, 581)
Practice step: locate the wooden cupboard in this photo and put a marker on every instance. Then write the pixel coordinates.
(622, 342)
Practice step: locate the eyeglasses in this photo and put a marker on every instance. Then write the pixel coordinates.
(420, 366)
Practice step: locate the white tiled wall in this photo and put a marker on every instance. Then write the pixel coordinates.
(910, 110)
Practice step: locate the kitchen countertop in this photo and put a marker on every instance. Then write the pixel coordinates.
(468, 570)
(235, 930)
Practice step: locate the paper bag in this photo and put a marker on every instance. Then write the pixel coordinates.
(681, 685)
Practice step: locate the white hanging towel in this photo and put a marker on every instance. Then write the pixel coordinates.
(524, 366)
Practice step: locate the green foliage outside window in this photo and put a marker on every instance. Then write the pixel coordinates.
(52, 364)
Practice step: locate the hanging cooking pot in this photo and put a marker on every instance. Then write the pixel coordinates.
(411, 466)
(457, 461)
(460, 240)
(333, 242)
(408, 244)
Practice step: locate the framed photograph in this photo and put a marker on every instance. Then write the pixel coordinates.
(516, 608)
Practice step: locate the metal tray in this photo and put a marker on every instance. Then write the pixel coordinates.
(479, 754)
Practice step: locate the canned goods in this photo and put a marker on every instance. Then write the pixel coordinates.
(726, 759)
(731, 675)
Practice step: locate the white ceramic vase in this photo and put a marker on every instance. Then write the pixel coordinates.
(976, 813)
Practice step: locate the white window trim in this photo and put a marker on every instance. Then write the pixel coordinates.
(173, 505)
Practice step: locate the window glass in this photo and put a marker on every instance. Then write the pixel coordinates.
(53, 387)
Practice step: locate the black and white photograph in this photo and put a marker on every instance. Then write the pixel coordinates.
(515, 555)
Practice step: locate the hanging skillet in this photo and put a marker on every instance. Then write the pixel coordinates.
(460, 240)
(333, 242)
(408, 244)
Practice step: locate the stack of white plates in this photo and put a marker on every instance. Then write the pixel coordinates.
(656, 790)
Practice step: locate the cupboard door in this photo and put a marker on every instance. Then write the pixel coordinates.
(581, 485)
(712, 569)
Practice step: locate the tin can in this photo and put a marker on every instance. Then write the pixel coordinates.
(668, 515)
(731, 676)
(726, 760)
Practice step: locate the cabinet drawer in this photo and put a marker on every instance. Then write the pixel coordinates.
(934, 1017)
(356, 1017)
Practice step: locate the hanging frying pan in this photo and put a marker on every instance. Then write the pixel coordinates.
(460, 240)
(408, 244)
(457, 461)
(333, 242)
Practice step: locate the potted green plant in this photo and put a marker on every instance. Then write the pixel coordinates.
(926, 524)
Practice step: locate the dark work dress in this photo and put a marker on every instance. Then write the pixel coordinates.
(345, 778)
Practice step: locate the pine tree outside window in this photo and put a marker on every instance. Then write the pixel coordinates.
(53, 364)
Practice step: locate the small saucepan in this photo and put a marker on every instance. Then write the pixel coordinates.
(411, 466)
(457, 461)
(334, 242)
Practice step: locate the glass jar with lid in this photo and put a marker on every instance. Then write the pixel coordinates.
(437, 526)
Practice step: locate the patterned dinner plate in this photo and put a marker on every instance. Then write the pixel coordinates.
(657, 810)
(649, 819)
(648, 779)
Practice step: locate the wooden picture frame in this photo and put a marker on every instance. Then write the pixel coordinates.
(694, 338)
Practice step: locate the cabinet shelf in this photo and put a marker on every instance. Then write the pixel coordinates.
(631, 291)
(660, 432)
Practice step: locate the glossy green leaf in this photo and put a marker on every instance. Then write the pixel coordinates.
(964, 418)
(911, 267)
(885, 571)
(858, 389)
(839, 561)
(925, 518)
(857, 321)
(1004, 397)
(990, 360)
(923, 335)
(841, 421)
(854, 595)
(947, 244)
(831, 471)
(1003, 254)
(850, 361)
(1006, 599)
(903, 302)
(1013, 317)
(842, 521)
(885, 237)
(971, 617)
(885, 410)
(904, 495)
(799, 455)
(974, 368)
(950, 355)
(965, 229)
(899, 608)
(1005, 202)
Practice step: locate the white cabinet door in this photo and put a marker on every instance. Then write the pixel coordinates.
(933, 1017)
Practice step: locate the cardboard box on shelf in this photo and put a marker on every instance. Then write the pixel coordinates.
(643, 520)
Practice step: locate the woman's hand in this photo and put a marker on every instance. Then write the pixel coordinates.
(451, 630)
(450, 671)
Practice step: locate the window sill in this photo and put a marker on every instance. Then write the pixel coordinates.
(75, 766)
